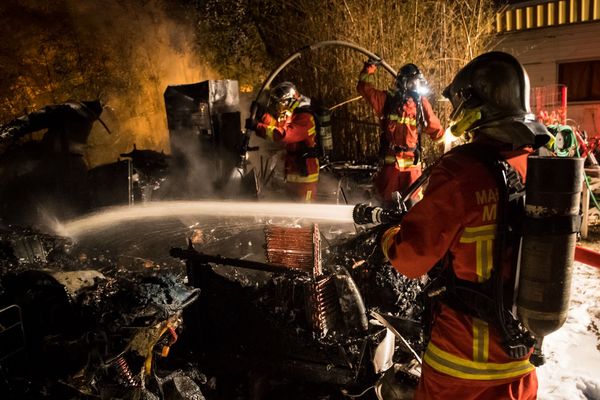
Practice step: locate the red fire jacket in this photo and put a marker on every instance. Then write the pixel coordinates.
(298, 133)
(457, 215)
(400, 136)
(400, 125)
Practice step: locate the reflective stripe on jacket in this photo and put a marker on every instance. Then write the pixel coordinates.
(457, 215)
(298, 133)
(458, 367)
(400, 125)
(296, 178)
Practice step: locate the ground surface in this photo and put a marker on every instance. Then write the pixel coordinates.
(572, 369)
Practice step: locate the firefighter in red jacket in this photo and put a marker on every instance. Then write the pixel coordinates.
(403, 112)
(456, 223)
(294, 125)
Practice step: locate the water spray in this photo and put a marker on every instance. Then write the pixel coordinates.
(173, 209)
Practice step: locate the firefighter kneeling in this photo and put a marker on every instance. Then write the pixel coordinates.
(469, 226)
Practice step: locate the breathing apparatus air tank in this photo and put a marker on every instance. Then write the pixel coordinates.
(552, 220)
(325, 134)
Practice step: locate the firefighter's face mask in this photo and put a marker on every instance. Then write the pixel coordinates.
(418, 85)
(282, 98)
(282, 105)
(414, 85)
(464, 121)
(283, 115)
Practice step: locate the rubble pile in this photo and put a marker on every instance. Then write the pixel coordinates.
(382, 288)
(89, 332)
(98, 325)
(264, 322)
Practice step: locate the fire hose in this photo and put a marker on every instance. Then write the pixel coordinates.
(327, 43)
(587, 256)
(366, 214)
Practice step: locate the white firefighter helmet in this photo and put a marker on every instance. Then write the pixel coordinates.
(283, 96)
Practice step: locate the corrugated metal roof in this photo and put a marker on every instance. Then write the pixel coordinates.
(524, 15)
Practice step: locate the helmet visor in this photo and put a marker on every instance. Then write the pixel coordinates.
(416, 85)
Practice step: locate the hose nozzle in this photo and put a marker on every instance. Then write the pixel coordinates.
(367, 214)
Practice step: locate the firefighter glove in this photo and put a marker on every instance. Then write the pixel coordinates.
(374, 61)
(371, 65)
(385, 238)
(367, 214)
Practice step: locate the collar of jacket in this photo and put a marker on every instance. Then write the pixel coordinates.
(516, 130)
(303, 101)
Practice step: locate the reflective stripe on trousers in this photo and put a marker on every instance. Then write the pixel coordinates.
(452, 365)
(293, 178)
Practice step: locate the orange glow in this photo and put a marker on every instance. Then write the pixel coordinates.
(121, 52)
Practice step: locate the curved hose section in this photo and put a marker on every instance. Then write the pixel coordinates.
(326, 43)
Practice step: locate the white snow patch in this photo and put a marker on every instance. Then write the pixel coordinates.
(572, 369)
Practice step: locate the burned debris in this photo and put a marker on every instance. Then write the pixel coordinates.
(255, 308)
(266, 320)
(307, 324)
(129, 269)
(51, 171)
(50, 178)
(84, 332)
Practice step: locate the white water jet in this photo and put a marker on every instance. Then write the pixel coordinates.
(155, 210)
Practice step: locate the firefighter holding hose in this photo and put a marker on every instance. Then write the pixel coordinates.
(465, 226)
(292, 123)
(403, 113)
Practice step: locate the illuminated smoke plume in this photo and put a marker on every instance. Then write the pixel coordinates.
(126, 53)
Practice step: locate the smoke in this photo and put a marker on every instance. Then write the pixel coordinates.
(126, 53)
(158, 50)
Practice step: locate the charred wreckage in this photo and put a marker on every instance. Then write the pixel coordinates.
(309, 319)
(290, 311)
